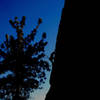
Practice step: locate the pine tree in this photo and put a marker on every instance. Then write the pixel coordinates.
(25, 60)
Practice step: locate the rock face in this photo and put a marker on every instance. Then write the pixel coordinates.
(60, 76)
(73, 75)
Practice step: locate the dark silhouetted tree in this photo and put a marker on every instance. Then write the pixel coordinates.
(24, 61)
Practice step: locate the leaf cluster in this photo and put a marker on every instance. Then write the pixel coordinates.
(24, 59)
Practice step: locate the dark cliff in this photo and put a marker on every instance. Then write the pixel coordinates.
(74, 75)
(60, 76)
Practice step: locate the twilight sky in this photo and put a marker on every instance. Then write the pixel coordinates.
(48, 10)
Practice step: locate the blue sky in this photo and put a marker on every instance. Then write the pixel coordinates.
(48, 10)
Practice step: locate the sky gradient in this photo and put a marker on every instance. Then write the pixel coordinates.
(48, 10)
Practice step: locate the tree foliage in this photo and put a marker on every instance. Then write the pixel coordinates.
(24, 59)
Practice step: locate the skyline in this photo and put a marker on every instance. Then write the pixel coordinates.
(48, 10)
